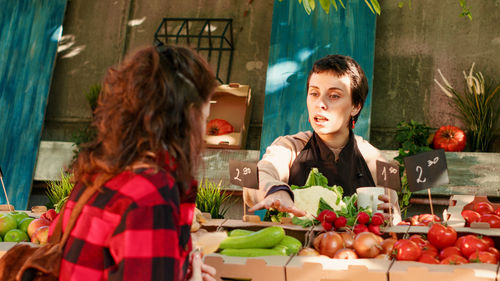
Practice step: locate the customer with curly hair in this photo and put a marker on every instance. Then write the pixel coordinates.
(150, 120)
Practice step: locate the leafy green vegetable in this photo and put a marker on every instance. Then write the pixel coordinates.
(316, 178)
(323, 206)
(274, 215)
(412, 138)
(304, 222)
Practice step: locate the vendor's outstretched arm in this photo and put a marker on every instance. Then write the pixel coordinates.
(274, 171)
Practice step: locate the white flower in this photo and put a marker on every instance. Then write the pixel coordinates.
(445, 90)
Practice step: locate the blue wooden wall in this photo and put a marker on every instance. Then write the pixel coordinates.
(297, 41)
(29, 32)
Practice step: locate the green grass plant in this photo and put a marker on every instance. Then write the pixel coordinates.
(58, 191)
(211, 197)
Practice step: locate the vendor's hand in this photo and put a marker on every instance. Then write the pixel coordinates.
(199, 270)
(386, 206)
(279, 200)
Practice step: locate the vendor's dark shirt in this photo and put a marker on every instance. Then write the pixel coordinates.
(349, 171)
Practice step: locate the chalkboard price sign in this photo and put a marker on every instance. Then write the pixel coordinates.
(388, 175)
(426, 170)
(244, 174)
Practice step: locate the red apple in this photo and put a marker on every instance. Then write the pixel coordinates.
(449, 138)
(41, 235)
(35, 224)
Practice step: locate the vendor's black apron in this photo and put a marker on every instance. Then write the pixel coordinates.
(350, 171)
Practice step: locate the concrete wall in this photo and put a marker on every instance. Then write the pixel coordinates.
(411, 43)
(102, 32)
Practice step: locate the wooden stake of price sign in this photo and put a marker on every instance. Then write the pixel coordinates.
(246, 175)
(426, 170)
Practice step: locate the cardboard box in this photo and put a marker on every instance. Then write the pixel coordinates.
(231, 103)
(417, 271)
(255, 269)
(323, 269)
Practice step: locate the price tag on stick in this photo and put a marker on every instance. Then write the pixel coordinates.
(244, 174)
(388, 175)
(426, 170)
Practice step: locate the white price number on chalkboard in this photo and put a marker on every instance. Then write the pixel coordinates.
(391, 170)
(420, 170)
(245, 172)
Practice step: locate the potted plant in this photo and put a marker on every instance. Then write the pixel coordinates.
(211, 198)
(58, 192)
(477, 107)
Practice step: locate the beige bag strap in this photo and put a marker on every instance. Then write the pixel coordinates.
(56, 235)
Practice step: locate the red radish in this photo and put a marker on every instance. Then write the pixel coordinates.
(340, 222)
(363, 218)
(358, 228)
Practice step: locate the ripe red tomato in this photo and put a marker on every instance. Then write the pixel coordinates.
(430, 250)
(425, 258)
(459, 242)
(217, 127)
(456, 259)
(492, 220)
(449, 251)
(428, 218)
(497, 211)
(471, 244)
(483, 208)
(449, 138)
(441, 236)
(470, 216)
(495, 252)
(417, 238)
(483, 257)
(488, 240)
(407, 250)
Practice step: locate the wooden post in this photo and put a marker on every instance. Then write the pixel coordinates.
(430, 202)
(5, 192)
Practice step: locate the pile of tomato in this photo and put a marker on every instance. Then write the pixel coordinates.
(443, 246)
(482, 212)
(420, 220)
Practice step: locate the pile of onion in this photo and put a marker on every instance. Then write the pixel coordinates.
(347, 246)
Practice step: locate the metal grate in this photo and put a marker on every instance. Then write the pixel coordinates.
(211, 38)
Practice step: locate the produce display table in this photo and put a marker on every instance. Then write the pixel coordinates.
(321, 268)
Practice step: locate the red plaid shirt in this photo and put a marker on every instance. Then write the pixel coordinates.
(135, 229)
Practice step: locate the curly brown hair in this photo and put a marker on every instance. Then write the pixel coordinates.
(148, 104)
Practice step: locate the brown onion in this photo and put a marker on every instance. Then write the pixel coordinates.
(345, 254)
(348, 238)
(387, 245)
(328, 243)
(383, 257)
(367, 245)
(308, 252)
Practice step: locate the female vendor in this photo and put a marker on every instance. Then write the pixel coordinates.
(336, 91)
